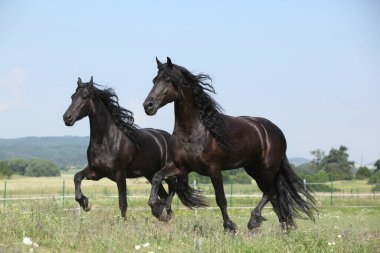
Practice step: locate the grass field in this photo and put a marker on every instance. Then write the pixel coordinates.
(58, 226)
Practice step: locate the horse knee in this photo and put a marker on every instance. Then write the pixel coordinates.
(157, 179)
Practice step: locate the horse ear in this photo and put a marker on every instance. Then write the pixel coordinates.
(91, 81)
(159, 64)
(79, 82)
(169, 62)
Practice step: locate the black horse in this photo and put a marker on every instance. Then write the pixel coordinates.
(207, 141)
(119, 150)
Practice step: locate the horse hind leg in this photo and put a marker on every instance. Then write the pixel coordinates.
(266, 186)
(217, 181)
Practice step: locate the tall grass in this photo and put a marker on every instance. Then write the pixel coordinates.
(101, 230)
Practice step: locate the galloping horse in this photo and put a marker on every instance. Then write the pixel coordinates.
(207, 141)
(119, 150)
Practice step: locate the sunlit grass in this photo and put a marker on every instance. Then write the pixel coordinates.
(101, 230)
(58, 225)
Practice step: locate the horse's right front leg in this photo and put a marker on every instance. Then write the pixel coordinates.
(157, 206)
(78, 177)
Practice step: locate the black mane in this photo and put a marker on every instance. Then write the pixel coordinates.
(122, 117)
(209, 111)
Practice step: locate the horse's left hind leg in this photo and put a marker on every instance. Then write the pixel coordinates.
(256, 218)
(266, 184)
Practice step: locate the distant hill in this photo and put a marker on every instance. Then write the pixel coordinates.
(64, 151)
(298, 160)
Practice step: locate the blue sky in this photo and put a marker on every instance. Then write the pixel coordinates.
(311, 67)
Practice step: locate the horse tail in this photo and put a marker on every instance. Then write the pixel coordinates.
(189, 196)
(290, 203)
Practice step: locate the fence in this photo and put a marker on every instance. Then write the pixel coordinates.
(332, 194)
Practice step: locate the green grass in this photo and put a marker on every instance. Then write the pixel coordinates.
(60, 227)
(101, 230)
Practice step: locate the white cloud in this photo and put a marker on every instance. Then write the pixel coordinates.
(11, 92)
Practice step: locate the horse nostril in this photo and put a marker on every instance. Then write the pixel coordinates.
(148, 106)
(67, 117)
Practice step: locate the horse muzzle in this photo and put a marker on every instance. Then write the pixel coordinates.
(68, 119)
(150, 108)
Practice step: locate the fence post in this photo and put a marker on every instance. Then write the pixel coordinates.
(231, 191)
(63, 193)
(305, 187)
(195, 188)
(5, 193)
(331, 191)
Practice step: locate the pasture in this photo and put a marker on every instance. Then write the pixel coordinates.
(350, 225)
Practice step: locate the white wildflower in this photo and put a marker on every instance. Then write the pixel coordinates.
(339, 236)
(137, 247)
(27, 241)
(147, 244)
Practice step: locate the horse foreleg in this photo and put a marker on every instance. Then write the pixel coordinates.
(78, 177)
(165, 197)
(122, 189)
(217, 182)
(169, 170)
(172, 184)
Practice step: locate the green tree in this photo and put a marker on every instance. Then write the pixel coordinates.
(337, 165)
(5, 170)
(362, 173)
(18, 166)
(42, 168)
(316, 163)
(377, 166)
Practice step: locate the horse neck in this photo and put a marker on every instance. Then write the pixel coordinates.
(186, 115)
(100, 121)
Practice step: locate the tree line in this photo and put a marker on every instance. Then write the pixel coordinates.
(30, 168)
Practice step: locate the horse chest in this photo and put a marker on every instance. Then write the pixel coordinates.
(101, 156)
(189, 152)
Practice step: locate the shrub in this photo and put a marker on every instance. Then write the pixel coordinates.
(375, 178)
(362, 173)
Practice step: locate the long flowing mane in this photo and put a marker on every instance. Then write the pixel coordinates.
(122, 117)
(210, 112)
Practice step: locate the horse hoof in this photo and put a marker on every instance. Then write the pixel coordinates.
(158, 209)
(85, 204)
(230, 228)
(164, 216)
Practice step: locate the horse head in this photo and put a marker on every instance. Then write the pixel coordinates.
(80, 106)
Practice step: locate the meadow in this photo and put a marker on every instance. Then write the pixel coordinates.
(351, 224)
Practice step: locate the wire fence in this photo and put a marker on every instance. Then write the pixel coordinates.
(233, 197)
